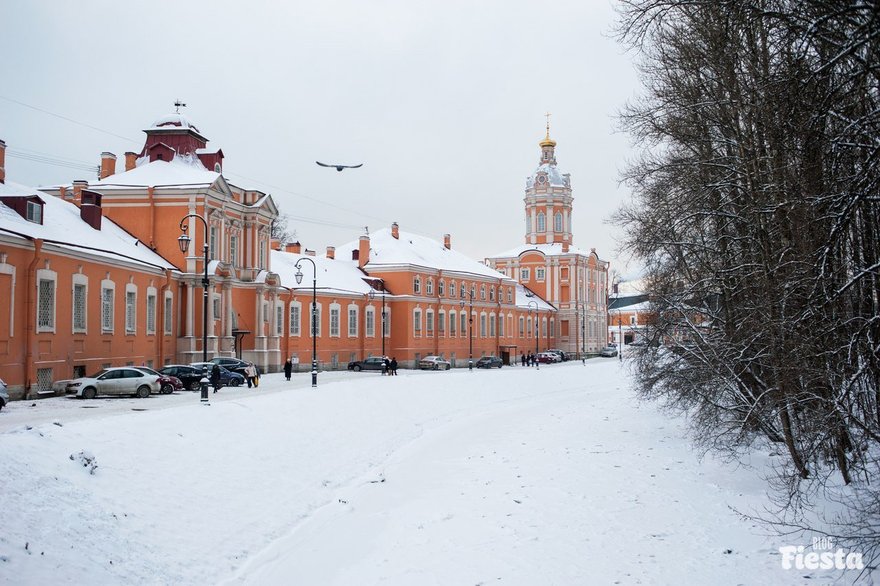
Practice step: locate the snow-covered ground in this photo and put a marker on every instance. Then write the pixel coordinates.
(511, 476)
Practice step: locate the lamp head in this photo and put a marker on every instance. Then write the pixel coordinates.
(299, 276)
(183, 242)
(372, 294)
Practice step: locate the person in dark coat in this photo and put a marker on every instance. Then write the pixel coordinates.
(288, 368)
(386, 366)
(394, 366)
(215, 377)
(522, 358)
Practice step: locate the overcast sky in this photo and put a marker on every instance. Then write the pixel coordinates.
(442, 101)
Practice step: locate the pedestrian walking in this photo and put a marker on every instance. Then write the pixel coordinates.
(393, 366)
(522, 358)
(215, 377)
(288, 369)
(386, 366)
(250, 375)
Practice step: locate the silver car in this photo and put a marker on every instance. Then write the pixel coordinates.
(434, 363)
(122, 380)
(4, 394)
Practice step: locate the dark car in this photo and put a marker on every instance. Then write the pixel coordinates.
(371, 363)
(227, 377)
(189, 376)
(489, 362)
(233, 364)
(167, 383)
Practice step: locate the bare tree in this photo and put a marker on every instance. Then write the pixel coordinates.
(757, 215)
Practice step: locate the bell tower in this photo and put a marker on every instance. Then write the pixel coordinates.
(548, 199)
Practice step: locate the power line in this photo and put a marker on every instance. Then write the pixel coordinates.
(71, 120)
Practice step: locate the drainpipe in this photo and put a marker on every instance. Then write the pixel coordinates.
(30, 321)
(150, 196)
(160, 307)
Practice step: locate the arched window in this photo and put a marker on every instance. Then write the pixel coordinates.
(417, 284)
(441, 287)
(557, 222)
(541, 222)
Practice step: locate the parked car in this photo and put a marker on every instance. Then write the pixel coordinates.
(560, 353)
(548, 358)
(167, 383)
(371, 363)
(233, 364)
(121, 380)
(189, 376)
(227, 377)
(608, 352)
(434, 363)
(489, 362)
(4, 394)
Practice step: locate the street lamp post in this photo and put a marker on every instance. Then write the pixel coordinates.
(299, 278)
(373, 296)
(537, 363)
(183, 241)
(470, 329)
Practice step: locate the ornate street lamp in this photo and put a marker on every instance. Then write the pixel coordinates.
(373, 296)
(183, 241)
(537, 363)
(470, 328)
(299, 278)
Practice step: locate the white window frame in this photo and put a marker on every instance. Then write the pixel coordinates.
(295, 324)
(441, 288)
(279, 319)
(483, 324)
(370, 322)
(168, 310)
(353, 317)
(452, 318)
(80, 282)
(335, 316)
(539, 273)
(131, 295)
(429, 323)
(542, 222)
(34, 212)
(429, 287)
(47, 294)
(524, 274)
(417, 285)
(441, 323)
(151, 311)
(417, 322)
(558, 224)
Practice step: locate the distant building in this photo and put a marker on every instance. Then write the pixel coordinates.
(629, 312)
(573, 280)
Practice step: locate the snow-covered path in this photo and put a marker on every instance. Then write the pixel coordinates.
(514, 476)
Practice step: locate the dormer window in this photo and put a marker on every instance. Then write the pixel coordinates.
(217, 168)
(34, 212)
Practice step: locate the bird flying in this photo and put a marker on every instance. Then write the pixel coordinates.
(340, 167)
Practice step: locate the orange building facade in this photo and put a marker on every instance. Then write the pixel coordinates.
(91, 276)
(574, 281)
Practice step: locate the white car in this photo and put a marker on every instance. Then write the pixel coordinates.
(122, 380)
(434, 363)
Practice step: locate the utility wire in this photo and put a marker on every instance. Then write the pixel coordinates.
(67, 119)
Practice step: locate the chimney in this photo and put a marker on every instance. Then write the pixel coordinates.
(275, 244)
(394, 231)
(447, 241)
(293, 247)
(108, 165)
(130, 160)
(78, 186)
(90, 208)
(363, 251)
(2, 162)
(331, 252)
(355, 254)
(565, 246)
(310, 252)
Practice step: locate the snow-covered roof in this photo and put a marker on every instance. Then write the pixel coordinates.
(415, 250)
(181, 170)
(555, 177)
(63, 226)
(553, 249)
(630, 288)
(643, 306)
(524, 296)
(333, 275)
(175, 119)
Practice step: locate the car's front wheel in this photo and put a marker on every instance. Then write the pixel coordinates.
(167, 389)
(89, 393)
(143, 392)
(356, 368)
(195, 385)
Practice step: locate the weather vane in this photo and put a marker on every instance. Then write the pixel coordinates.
(177, 106)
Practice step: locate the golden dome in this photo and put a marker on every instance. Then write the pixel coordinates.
(547, 140)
